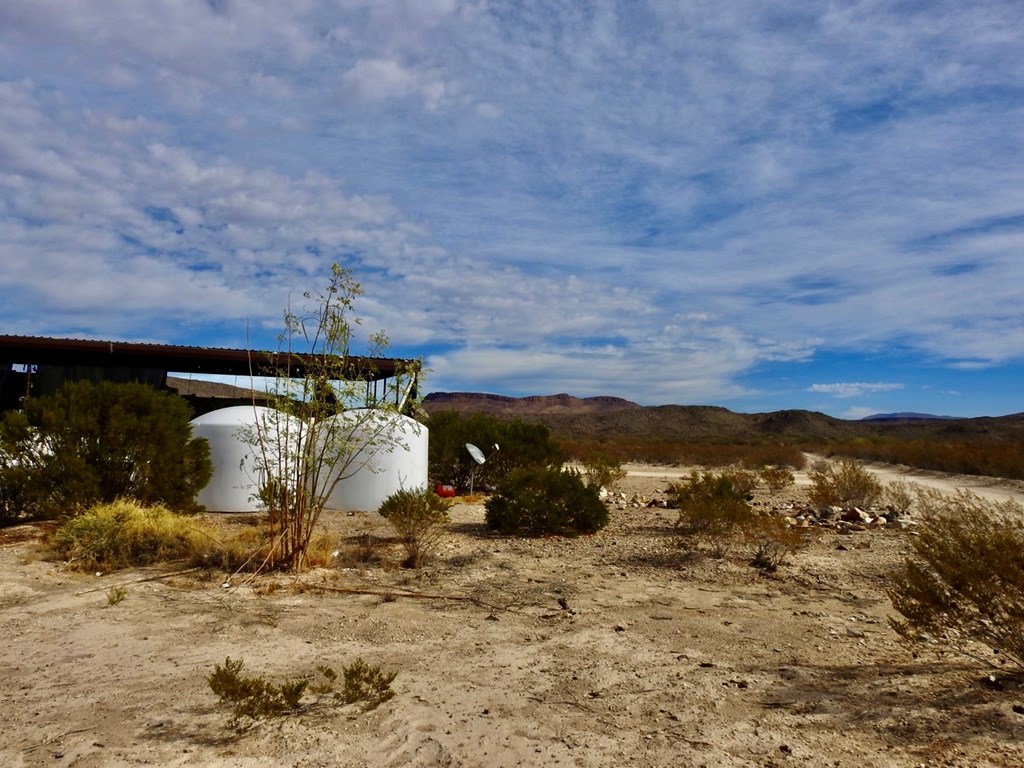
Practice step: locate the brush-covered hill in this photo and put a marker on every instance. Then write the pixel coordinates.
(614, 417)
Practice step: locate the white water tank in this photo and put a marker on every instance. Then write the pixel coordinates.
(236, 475)
(391, 455)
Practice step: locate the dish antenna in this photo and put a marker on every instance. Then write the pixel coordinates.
(476, 453)
(479, 458)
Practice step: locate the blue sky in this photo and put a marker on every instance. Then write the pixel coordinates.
(757, 205)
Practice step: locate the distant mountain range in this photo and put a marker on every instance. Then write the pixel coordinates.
(904, 416)
(610, 417)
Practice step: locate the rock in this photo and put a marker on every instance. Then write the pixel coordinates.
(855, 515)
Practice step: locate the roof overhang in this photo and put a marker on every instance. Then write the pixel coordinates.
(37, 350)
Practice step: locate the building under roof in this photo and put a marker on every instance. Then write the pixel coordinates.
(33, 366)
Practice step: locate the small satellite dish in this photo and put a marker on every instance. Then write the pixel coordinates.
(476, 453)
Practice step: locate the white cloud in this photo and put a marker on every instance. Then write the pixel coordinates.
(383, 79)
(854, 389)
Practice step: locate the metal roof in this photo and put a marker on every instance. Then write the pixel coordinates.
(38, 350)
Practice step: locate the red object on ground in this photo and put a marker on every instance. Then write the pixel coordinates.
(445, 491)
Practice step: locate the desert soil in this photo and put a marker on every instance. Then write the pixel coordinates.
(618, 649)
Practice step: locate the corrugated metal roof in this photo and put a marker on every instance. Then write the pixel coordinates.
(40, 350)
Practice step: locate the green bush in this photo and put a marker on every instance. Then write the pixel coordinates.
(522, 445)
(964, 584)
(15, 482)
(91, 443)
(845, 483)
(420, 518)
(123, 534)
(545, 500)
(712, 509)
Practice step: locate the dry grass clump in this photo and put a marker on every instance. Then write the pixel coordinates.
(124, 533)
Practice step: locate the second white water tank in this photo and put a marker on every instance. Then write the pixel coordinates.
(391, 455)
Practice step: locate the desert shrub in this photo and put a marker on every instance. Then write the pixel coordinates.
(123, 534)
(15, 480)
(899, 496)
(711, 510)
(522, 445)
(845, 483)
(93, 443)
(366, 684)
(964, 583)
(420, 519)
(253, 697)
(743, 481)
(256, 698)
(543, 500)
(776, 479)
(773, 540)
(601, 469)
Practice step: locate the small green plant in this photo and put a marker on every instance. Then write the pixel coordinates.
(124, 533)
(253, 697)
(366, 684)
(964, 584)
(845, 483)
(776, 479)
(256, 698)
(711, 510)
(116, 594)
(545, 500)
(420, 518)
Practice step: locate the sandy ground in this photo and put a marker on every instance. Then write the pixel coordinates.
(619, 649)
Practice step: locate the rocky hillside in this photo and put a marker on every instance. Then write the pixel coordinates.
(611, 417)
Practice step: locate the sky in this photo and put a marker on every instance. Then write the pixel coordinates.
(750, 204)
